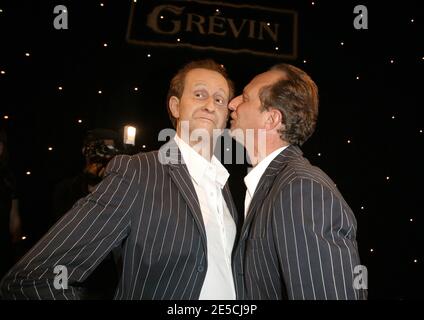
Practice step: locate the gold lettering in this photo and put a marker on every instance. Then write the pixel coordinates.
(213, 24)
(252, 29)
(236, 32)
(273, 34)
(199, 23)
(152, 19)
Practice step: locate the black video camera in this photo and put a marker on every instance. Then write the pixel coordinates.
(99, 152)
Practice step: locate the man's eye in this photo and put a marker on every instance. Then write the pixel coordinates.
(219, 101)
(199, 94)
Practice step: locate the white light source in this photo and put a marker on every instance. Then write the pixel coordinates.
(79, 121)
(136, 89)
(228, 149)
(392, 61)
(362, 208)
(50, 149)
(217, 10)
(393, 117)
(129, 135)
(412, 20)
(6, 117)
(348, 141)
(27, 54)
(101, 4)
(304, 61)
(387, 178)
(3, 72)
(313, 3)
(23, 238)
(161, 17)
(357, 78)
(415, 261)
(178, 40)
(276, 48)
(99, 92)
(421, 131)
(148, 55)
(342, 43)
(28, 173)
(1, 10)
(104, 44)
(319, 154)
(144, 146)
(411, 220)
(372, 250)
(60, 88)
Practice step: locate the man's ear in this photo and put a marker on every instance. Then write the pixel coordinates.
(174, 106)
(274, 119)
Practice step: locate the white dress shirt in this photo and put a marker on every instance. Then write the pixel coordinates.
(252, 179)
(209, 178)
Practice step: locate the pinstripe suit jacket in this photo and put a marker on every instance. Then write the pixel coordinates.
(151, 210)
(298, 239)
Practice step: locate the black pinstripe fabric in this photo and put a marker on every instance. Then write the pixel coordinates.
(299, 237)
(148, 208)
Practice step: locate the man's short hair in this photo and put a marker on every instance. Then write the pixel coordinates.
(176, 87)
(296, 96)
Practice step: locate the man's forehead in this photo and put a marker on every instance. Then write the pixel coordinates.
(265, 79)
(271, 76)
(200, 76)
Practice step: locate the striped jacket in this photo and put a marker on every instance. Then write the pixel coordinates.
(298, 239)
(148, 208)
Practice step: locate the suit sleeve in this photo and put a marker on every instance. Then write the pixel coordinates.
(78, 242)
(314, 231)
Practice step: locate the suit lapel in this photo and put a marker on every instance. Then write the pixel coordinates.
(171, 155)
(257, 199)
(230, 203)
(265, 184)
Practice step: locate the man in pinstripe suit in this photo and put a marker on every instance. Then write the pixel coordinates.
(298, 238)
(175, 220)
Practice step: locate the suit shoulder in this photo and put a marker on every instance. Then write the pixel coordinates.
(302, 169)
(135, 162)
(144, 157)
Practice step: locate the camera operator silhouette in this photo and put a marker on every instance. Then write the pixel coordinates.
(99, 147)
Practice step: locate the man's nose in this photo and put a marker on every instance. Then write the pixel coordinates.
(234, 103)
(210, 104)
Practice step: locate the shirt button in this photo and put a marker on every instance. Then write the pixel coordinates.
(200, 268)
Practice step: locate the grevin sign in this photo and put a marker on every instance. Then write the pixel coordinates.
(218, 26)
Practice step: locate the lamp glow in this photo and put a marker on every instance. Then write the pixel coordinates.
(129, 135)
